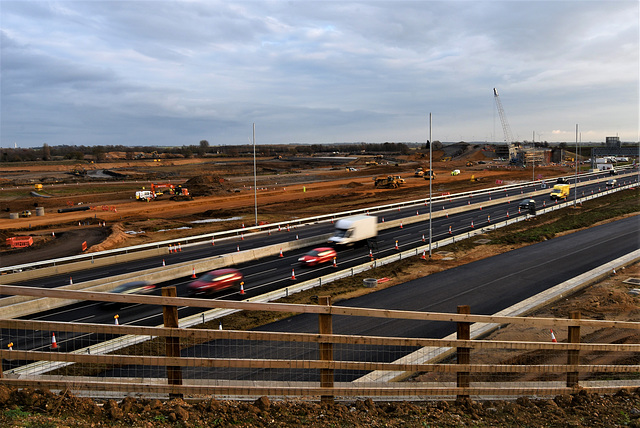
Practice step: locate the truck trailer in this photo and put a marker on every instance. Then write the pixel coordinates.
(351, 230)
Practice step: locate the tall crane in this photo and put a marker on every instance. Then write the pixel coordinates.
(508, 138)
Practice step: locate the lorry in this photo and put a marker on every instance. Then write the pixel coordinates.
(560, 191)
(351, 230)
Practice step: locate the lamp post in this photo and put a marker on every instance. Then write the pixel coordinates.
(255, 174)
(575, 184)
(430, 181)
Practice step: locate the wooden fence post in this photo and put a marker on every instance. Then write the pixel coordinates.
(325, 326)
(172, 344)
(573, 356)
(463, 353)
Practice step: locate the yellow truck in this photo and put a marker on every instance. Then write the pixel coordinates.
(560, 191)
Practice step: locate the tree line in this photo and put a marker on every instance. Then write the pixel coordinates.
(203, 149)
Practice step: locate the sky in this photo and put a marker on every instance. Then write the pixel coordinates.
(174, 73)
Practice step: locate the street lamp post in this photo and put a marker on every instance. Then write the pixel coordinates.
(255, 174)
(430, 181)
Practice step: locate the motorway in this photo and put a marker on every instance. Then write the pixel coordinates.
(483, 286)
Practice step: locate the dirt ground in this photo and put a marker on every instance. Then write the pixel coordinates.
(322, 189)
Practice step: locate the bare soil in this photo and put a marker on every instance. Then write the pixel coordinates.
(321, 191)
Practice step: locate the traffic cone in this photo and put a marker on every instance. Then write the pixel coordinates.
(288, 228)
(519, 212)
(423, 238)
(242, 236)
(193, 275)
(480, 207)
(488, 219)
(10, 346)
(417, 213)
(296, 236)
(54, 344)
(163, 264)
(544, 204)
(279, 228)
(115, 317)
(383, 219)
(281, 255)
(400, 225)
(424, 254)
(293, 274)
(449, 230)
(553, 337)
(371, 254)
(170, 249)
(507, 214)
(243, 225)
(614, 271)
(53, 234)
(70, 281)
(471, 224)
(397, 245)
(213, 242)
(335, 264)
(179, 247)
(238, 248)
(242, 288)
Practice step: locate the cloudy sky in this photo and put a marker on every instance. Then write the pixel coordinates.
(177, 72)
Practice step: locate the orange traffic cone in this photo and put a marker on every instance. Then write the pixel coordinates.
(242, 235)
(293, 274)
(193, 274)
(553, 337)
(242, 288)
(238, 248)
(335, 264)
(213, 242)
(449, 230)
(423, 238)
(400, 225)
(281, 255)
(397, 248)
(163, 263)
(488, 219)
(179, 247)
(70, 281)
(507, 214)
(115, 317)
(472, 224)
(296, 236)
(383, 219)
(54, 344)
(371, 254)
(10, 346)
(424, 254)
(417, 213)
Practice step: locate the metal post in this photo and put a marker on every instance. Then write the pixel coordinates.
(255, 174)
(575, 184)
(464, 353)
(172, 344)
(573, 356)
(430, 181)
(325, 326)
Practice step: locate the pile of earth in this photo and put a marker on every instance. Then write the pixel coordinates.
(29, 407)
(208, 185)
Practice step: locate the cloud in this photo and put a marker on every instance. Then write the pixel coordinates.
(177, 72)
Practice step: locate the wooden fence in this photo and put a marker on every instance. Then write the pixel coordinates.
(450, 360)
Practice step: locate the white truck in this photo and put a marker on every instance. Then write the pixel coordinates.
(354, 229)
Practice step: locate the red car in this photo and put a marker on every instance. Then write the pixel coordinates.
(317, 256)
(215, 280)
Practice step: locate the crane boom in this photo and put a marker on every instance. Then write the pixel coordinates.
(503, 118)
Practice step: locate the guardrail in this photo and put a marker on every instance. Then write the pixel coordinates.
(147, 250)
(178, 361)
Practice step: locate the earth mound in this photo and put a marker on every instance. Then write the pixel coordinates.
(207, 185)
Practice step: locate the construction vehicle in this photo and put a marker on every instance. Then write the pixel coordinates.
(455, 172)
(419, 173)
(445, 159)
(469, 163)
(386, 182)
(560, 191)
(354, 229)
(179, 193)
(429, 175)
(399, 179)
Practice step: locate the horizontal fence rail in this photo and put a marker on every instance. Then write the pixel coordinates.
(194, 362)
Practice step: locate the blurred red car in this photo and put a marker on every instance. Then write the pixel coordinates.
(317, 256)
(215, 280)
